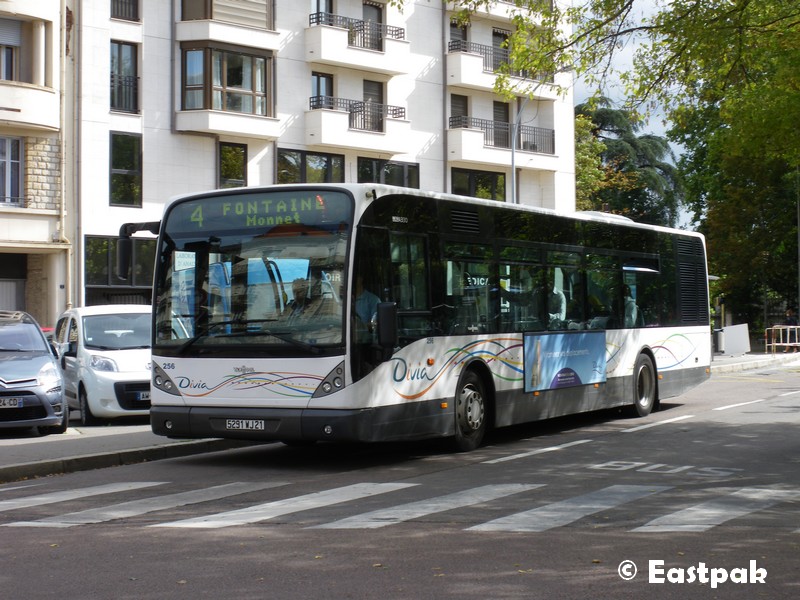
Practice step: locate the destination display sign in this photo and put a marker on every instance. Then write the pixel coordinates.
(221, 212)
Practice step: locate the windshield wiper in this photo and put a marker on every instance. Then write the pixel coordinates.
(281, 336)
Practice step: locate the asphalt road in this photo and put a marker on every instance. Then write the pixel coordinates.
(572, 508)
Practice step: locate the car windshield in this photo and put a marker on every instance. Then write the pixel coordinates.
(21, 337)
(121, 331)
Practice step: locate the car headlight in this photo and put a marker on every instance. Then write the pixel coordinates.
(102, 363)
(49, 377)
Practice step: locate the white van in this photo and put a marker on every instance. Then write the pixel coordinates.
(105, 359)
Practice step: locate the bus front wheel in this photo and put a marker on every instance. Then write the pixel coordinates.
(470, 412)
(644, 386)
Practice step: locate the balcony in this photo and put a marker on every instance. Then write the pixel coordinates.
(475, 66)
(221, 122)
(487, 142)
(341, 41)
(345, 123)
(227, 33)
(29, 106)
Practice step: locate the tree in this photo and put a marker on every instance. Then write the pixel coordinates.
(589, 173)
(639, 181)
(746, 207)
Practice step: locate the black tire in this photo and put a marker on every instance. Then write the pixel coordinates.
(470, 413)
(87, 417)
(56, 429)
(644, 387)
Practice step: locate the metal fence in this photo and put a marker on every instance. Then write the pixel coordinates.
(366, 116)
(498, 134)
(361, 34)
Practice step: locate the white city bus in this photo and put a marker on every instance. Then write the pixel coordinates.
(477, 314)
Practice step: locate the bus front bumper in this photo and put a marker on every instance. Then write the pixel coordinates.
(266, 424)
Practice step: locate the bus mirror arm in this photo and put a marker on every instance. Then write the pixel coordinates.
(387, 326)
(125, 244)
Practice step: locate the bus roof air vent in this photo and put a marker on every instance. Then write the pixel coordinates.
(465, 221)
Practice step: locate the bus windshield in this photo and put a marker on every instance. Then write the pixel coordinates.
(253, 272)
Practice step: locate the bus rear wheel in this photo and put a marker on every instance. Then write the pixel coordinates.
(644, 386)
(470, 412)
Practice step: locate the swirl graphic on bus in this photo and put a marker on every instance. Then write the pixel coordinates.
(500, 354)
(290, 385)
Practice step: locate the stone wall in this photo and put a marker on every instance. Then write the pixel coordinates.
(42, 173)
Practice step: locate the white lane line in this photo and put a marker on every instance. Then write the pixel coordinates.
(414, 510)
(657, 423)
(270, 510)
(570, 510)
(706, 515)
(146, 505)
(535, 452)
(788, 394)
(739, 404)
(66, 495)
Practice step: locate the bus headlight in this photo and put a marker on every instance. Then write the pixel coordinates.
(333, 382)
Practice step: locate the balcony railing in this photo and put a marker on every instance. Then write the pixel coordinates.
(498, 134)
(125, 93)
(362, 34)
(493, 58)
(366, 116)
(12, 201)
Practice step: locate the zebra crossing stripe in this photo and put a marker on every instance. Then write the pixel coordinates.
(706, 515)
(270, 510)
(140, 507)
(567, 511)
(64, 496)
(414, 510)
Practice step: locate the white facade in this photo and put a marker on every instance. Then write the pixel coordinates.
(180, 129)
(34, 249)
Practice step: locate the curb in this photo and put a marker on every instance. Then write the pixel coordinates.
(758, 363)
(87, 462)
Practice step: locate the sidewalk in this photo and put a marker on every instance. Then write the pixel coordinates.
(26, 456)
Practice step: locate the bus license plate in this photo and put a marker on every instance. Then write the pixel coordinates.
(11, 402)
(246, 424)
(143, 396)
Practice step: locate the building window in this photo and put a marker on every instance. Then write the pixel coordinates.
(299, 166)
(101, 262)
(479, 184)
(8, 63)
(126, 170)
(374, 170)
(127, 10)
(11, 171)
(232, 165)
(124, 77)
(226, 80)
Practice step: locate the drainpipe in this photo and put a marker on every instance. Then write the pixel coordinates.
(67, 29)
(445, 147)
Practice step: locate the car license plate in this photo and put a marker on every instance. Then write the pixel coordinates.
(245, 424)
(11, 402)
(143, 396)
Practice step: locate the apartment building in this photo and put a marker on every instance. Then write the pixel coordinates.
(34, 247)
(174, 96)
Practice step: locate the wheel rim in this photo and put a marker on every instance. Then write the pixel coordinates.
(645, 386)
(472, 411)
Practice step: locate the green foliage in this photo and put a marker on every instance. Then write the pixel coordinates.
(640, 181)
(589, 174)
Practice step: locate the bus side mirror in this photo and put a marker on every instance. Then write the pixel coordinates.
(124, 251)
(387, 324)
